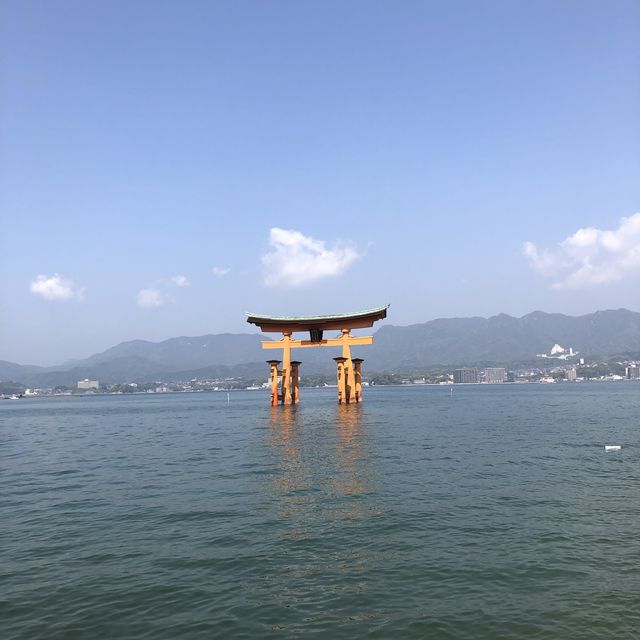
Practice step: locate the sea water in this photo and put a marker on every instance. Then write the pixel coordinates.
(492, 512)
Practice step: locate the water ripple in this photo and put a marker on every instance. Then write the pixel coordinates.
(491, 514)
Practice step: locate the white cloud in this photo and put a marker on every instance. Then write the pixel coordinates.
(150, 298)
(220, 272)
(590, 256)
(159, 293)
(179, 281)
(296, 260)
(55, 288)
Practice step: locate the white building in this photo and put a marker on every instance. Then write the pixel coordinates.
(559, 352)
(633, 372)
(495, 375)
(88, 384)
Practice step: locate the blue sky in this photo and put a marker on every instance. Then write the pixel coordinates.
(320, 156)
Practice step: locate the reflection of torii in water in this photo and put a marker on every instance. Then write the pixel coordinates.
(348, 471)
(349, 375)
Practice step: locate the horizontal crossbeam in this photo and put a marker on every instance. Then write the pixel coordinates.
(352, 341)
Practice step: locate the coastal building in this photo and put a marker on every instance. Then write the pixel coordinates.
(494, 375)
(570, 373)
(633, 372)
(465, 376)
(88, 384)
(511, 376)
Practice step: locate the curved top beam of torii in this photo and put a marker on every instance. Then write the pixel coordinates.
(281, 324)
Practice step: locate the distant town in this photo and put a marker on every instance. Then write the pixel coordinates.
(562, 372)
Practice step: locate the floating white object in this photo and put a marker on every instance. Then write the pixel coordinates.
(612, 447)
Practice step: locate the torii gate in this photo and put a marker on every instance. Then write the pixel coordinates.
(349, 374)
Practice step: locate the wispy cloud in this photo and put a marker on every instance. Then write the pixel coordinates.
(220, 272)
(159, 292)
(590, 256)
(179, 281)
(56, 287)
(150, 298)
(296, 260)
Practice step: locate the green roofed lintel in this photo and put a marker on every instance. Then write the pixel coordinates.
(255, 318)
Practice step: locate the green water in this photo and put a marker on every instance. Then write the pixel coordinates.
(490, 513)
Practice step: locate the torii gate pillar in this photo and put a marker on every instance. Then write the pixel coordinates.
(275, 373)
(295, 381)
(342, 380)
(357, 364)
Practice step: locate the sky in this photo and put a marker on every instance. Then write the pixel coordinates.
(167, 166)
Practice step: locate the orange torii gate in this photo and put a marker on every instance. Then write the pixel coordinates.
(349, 374)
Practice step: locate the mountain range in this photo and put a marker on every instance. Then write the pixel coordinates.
(500, 339)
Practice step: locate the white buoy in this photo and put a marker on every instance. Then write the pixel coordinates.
(612, 447)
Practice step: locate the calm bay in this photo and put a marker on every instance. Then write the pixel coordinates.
(489, 511)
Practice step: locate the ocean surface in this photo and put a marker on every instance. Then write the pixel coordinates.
(490, 512)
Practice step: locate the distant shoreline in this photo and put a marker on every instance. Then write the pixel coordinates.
(561, 383)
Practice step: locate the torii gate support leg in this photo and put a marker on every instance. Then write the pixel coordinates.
(342, 386)
(286, 368)
(357, 364)
(274, 381)
(350, 387)
(295, 381)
